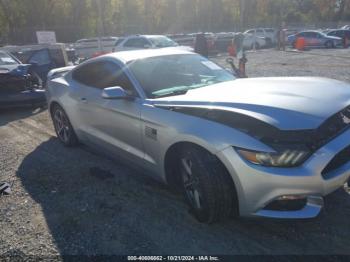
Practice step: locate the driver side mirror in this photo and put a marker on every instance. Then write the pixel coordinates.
(115, 92)
(147, 46)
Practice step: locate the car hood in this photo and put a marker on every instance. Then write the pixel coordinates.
(181, 47)
(292, 103)
(17, 69)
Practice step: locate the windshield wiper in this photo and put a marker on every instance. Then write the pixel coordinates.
(174, 93)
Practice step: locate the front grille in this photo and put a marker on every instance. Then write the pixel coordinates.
(338, 160)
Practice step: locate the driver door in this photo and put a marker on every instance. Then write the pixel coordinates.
(113, 124)
(42, 63)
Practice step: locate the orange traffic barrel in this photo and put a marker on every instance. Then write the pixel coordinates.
(300, 43)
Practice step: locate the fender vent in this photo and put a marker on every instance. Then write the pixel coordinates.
(151, 133)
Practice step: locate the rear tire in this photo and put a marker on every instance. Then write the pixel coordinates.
(207, 186)
(63, 127)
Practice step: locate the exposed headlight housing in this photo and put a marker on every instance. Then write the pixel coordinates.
(282, 158)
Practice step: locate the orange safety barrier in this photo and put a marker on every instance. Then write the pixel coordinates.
(300, 43)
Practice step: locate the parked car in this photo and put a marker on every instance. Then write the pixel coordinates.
(346, 27)
(19, 86)
(290, 31)
(223, 41)
(191, 124)
(87, 48)
(136, 42)
(250, 41)
(269, 34)
(315, 39)
(341, 33)
(42, 57)
(183, 39)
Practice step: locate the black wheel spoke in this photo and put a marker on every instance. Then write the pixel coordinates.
(189, 184)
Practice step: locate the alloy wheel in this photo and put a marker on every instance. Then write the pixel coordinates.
(61, 125)
(191, 183)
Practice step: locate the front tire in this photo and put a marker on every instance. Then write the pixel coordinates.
(63, 127)
(207, 186)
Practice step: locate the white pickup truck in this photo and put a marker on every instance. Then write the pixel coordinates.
(87, 48)
(269, 34)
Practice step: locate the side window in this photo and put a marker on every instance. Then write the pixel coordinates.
(340, 33)
(136, 42)
(103, 74)
(260, 31)
(115, 76)
(41, 57)
(86, 74)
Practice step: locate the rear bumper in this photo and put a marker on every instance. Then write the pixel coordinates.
(28, 98)
(258, 186)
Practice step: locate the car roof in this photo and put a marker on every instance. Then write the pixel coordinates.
(127, 56)
(338, 30)
(310, 31)
(104, 38)
(146, 36)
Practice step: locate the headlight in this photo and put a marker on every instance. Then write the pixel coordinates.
(284, 158)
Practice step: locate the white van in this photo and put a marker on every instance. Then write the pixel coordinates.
(86, 48)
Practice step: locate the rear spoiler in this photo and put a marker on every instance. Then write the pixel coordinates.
(57, 72)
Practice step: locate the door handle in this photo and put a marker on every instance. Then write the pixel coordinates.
(83, 99)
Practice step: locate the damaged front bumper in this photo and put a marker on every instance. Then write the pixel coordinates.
(258, 187)
(27, 98)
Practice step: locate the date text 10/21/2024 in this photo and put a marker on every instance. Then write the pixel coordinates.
(173, 258)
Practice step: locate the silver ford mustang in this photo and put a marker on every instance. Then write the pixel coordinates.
(267, 147)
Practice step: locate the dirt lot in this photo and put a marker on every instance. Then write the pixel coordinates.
(75, 201)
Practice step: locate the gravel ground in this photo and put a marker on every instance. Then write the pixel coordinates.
(331, 63)
(76, 201)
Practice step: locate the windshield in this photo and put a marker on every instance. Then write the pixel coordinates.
(6, 59)
(176, 74)
(162, 41)
(121, 39)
